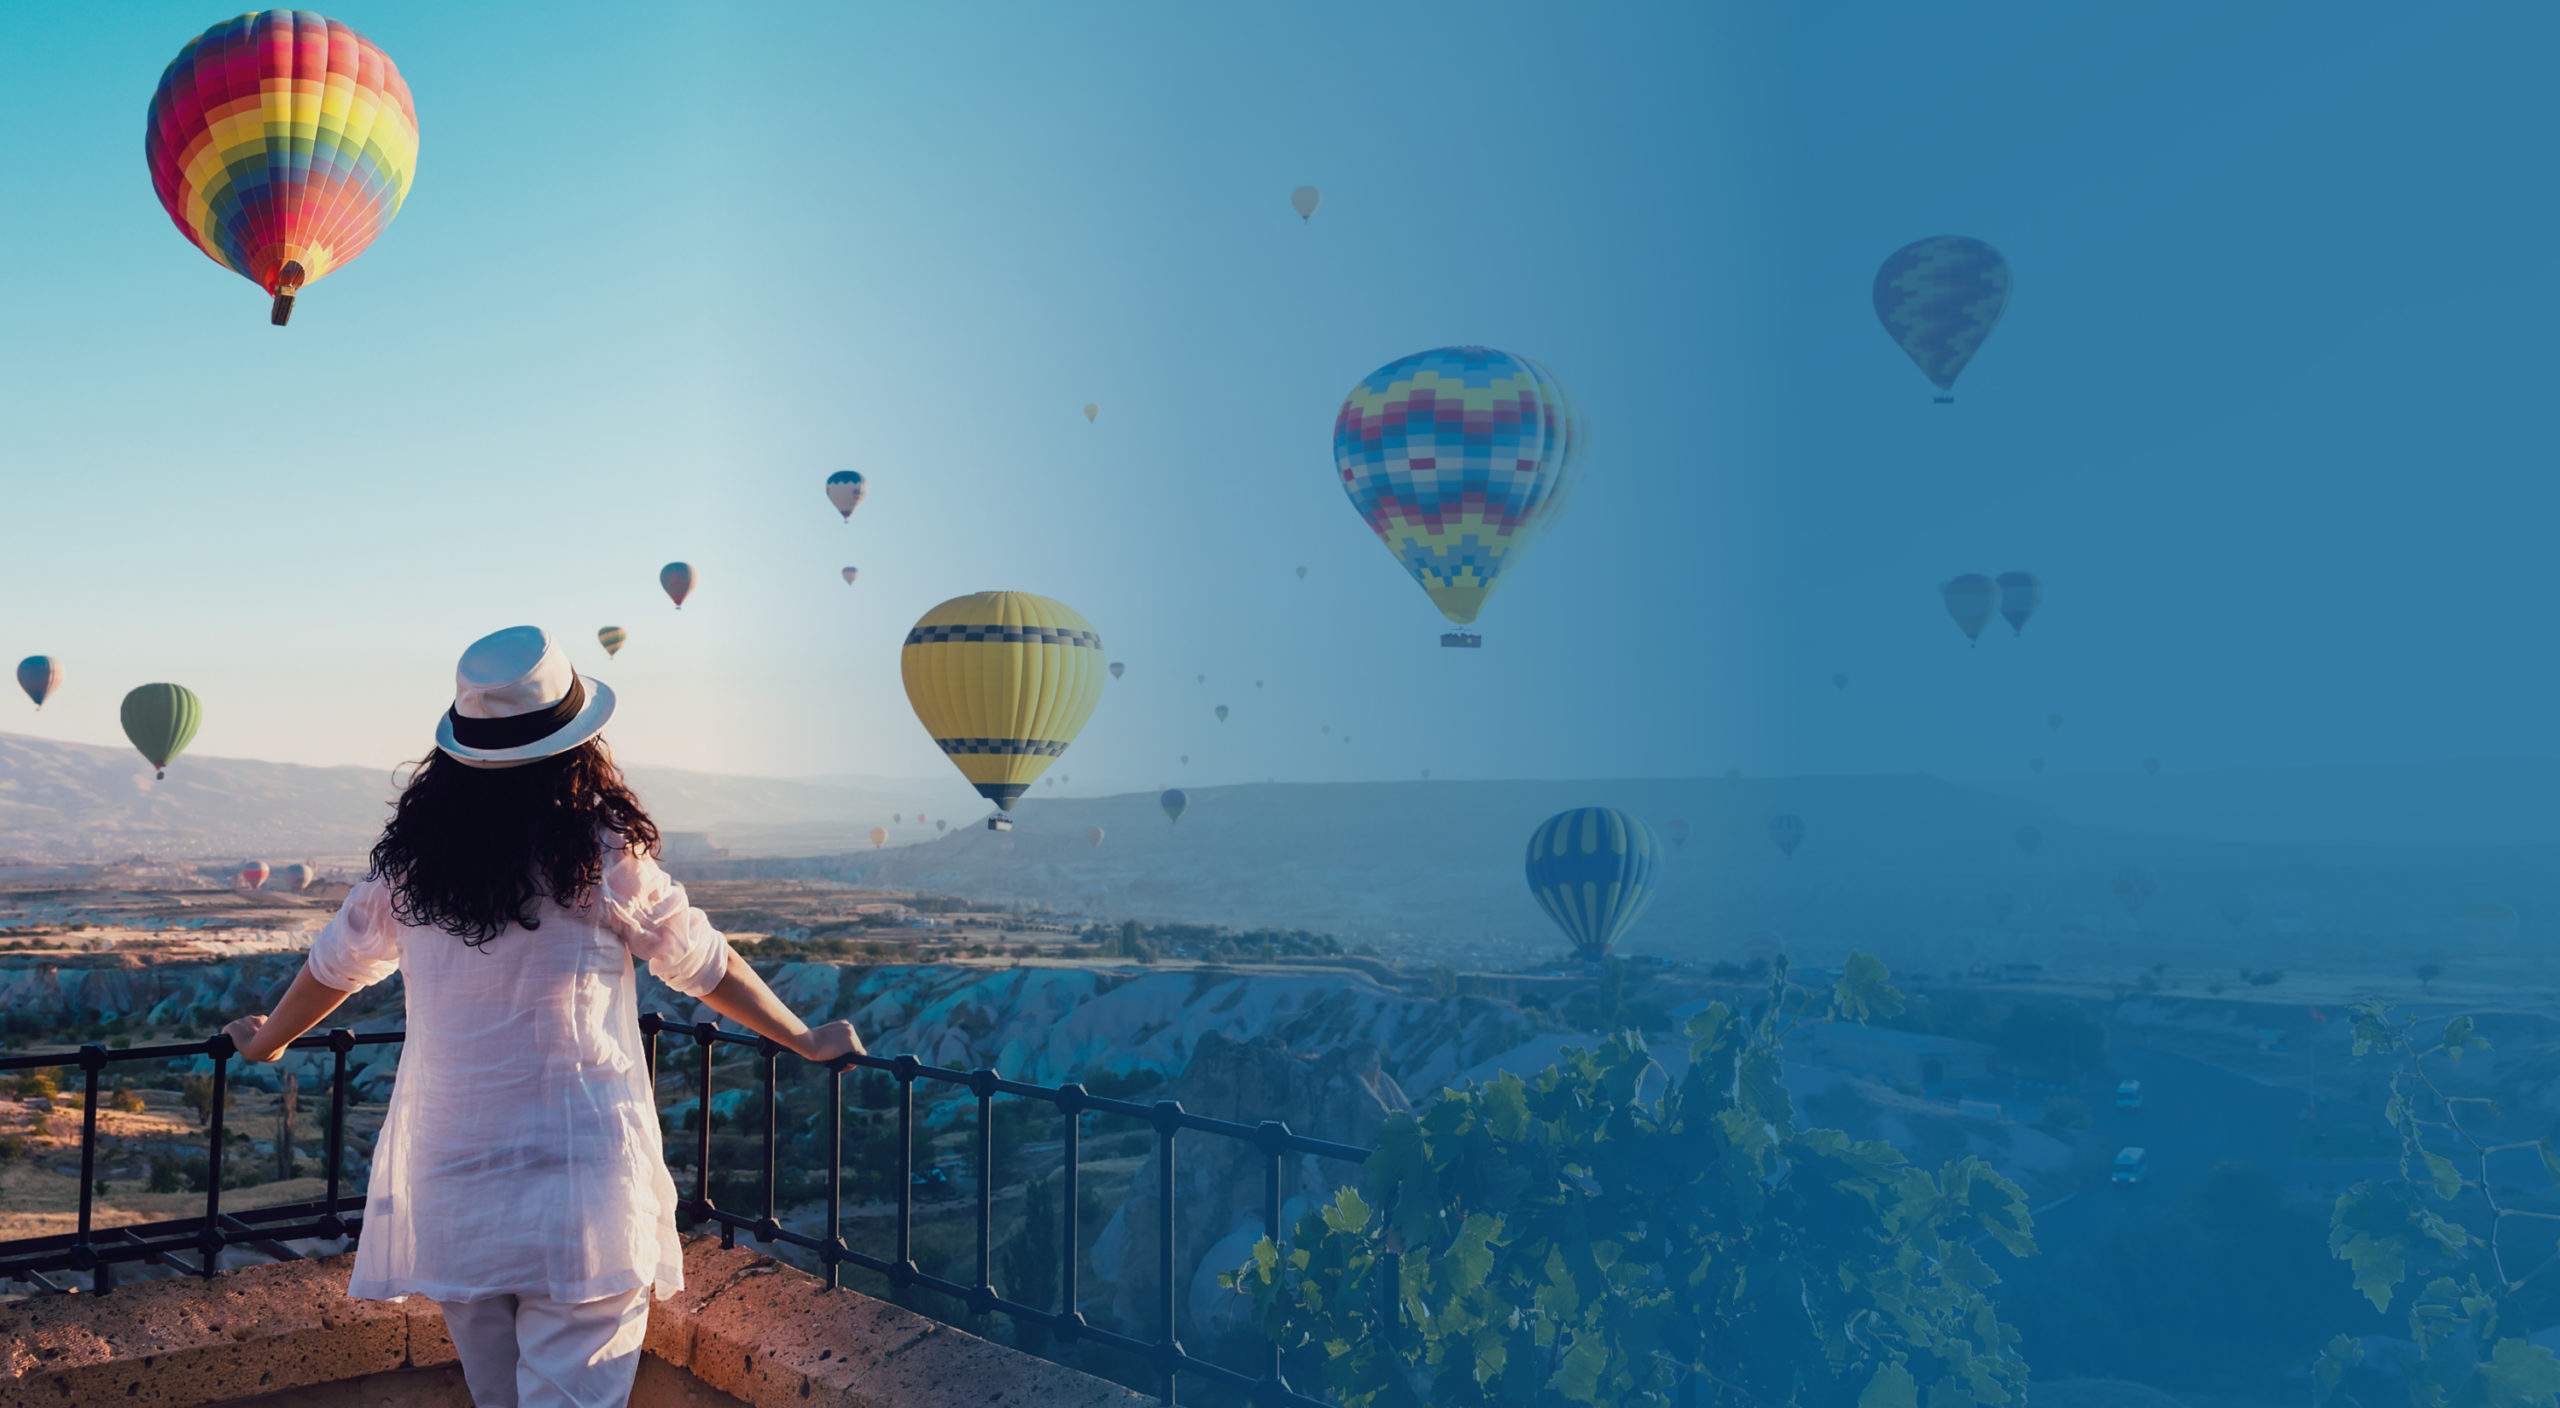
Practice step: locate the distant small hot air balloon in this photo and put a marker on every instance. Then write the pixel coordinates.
(1186, 760)
(2020, 594)
(1002, 682)
(160, 720)
(1118, 669)
(1786, 829)
(2036, 765)
(2053, 722)
(252, 874)
(1094, 835)
(1591, 870)
(2030, 840)
(1221, 712)
(1302, 574)
(281, 143)
(1839, 681)
(1679, 829)
(1200, 679)
(1939, 298)
(2151, 767)
(611, 638)
(298, 876)
(879, 837)
(1303, 200)
(1324, 729)
(1257, 684)
(1456, 458)
(39, 676)
(677, 578)
(845, 489)
(1969, 600)
(897, 817)
(1090, 411)
(939, 824)
(1173, 802)
(849, 573)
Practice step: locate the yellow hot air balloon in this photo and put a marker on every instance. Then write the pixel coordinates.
(1003, 681)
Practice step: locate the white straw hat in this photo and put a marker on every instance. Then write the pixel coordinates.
(517, 701)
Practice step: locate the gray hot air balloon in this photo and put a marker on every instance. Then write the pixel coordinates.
(2020, 594)
(1304, 201)
(1787, 830)
(1970, 600)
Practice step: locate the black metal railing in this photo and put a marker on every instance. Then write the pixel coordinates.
(193, 1244)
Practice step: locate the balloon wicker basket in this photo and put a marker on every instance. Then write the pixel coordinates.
(288, 283)
(999, 822)
(1461, 640)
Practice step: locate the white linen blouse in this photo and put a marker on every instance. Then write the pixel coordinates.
(521, 1152)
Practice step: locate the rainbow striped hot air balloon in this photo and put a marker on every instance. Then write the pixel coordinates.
(1003, 681)
(611, 638)
(1455, 458)
(281, 143)
(1591, 870)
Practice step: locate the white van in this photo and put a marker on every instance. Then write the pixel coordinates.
(2132, 1166)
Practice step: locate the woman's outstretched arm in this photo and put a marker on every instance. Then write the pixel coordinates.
(742, 997)
(306, 1004)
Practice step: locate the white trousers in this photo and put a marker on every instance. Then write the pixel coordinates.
(527, 1352)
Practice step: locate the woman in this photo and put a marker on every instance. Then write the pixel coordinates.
(518, 1180)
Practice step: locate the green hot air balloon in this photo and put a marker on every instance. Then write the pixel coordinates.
(161, 720)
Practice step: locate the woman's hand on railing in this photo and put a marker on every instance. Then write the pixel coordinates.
(824, 1044)
(243, 1032)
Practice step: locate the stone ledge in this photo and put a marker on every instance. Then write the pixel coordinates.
(766, 1333)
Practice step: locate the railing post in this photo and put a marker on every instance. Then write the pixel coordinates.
(835, 1175)
(982, 1083)
(906, 1268)
(210, 1240)
(1071, 1105)
(702, 1131)
(341, 1041)
(1168, 1122)
(93, 1059)
(771, 1051)
(1274, 1138)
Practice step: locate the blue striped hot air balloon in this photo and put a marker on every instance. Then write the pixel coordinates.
(1938, 298)
(1591, 869)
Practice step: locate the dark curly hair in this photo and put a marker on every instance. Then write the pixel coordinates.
(473, 851)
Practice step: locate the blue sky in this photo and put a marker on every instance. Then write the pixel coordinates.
(2264, 411)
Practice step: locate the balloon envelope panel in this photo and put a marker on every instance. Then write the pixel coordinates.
(281, 137)
(1452, 457)
(1591, 870)
(1003, 681)
(1938, 298)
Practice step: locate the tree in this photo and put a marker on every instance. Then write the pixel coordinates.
(1566, 1240)
(2444, 1238)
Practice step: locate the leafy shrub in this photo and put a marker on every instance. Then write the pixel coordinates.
(1566, 1240)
